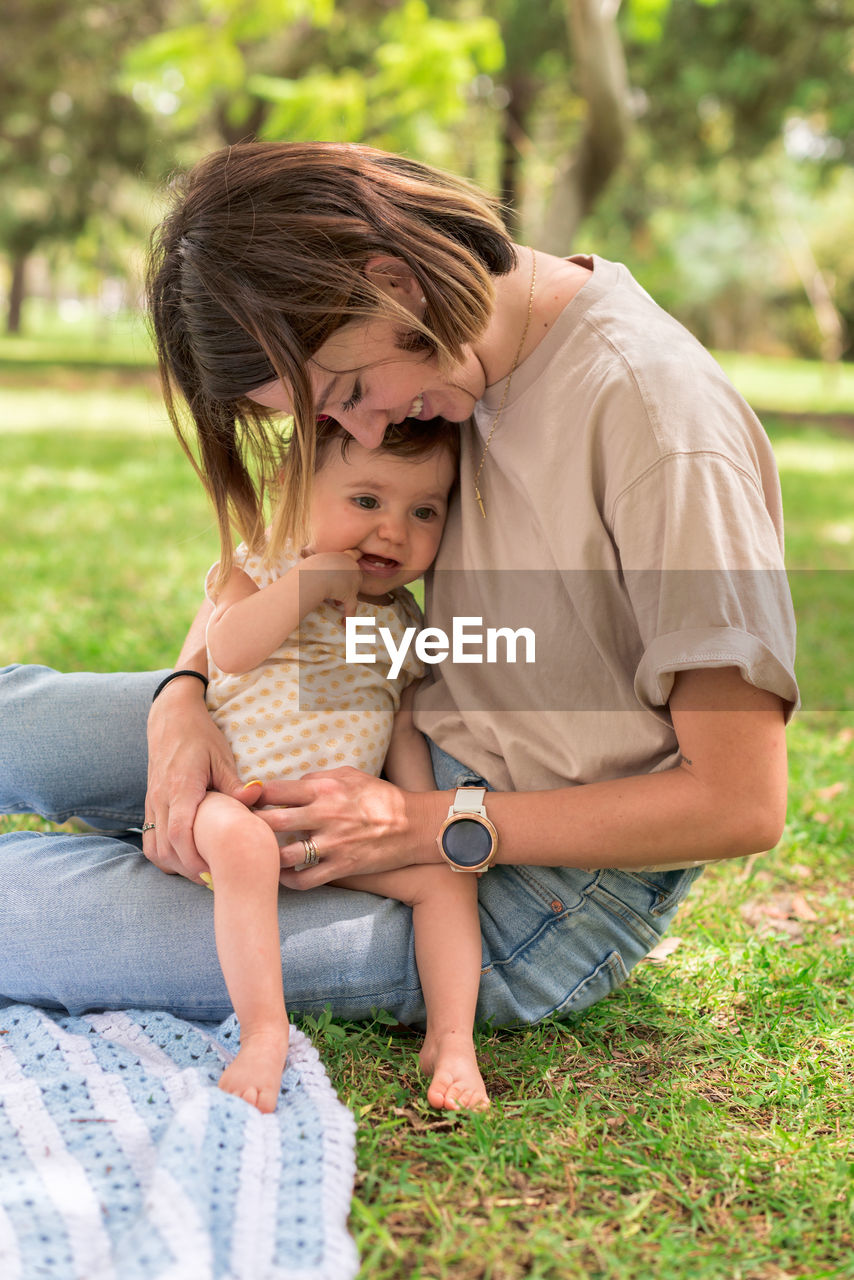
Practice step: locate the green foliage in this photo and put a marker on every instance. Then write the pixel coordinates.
(644, 19)
(201, 65)
(423, 66)
(721, 78)
(711, 244)
(741, 110)
(316, 106)
(68, 133)
(535, 38)
(394, 75)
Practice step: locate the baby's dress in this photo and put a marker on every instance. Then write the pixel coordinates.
(306, 707)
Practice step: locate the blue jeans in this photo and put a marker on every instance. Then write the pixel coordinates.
(86, 922)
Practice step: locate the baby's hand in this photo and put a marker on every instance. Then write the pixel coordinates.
(334, 576)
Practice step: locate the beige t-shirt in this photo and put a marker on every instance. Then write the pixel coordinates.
(306, 707)
(633, 523)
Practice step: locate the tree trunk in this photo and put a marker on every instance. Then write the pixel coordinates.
(603, 82)
(513, 136)
(17, 292)
(248, 128)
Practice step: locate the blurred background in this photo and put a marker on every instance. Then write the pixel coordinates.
(706, 143)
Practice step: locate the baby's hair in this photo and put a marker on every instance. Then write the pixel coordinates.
(408, 439)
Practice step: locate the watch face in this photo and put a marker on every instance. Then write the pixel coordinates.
(467, 842)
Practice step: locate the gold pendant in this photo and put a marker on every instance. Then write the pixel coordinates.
(480, 501)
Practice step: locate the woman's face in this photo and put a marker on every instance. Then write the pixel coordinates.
(363, 380)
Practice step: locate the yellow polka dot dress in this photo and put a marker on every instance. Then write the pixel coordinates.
(306, 708)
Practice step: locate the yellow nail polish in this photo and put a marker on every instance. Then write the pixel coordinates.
(256, 782)
(207, 879)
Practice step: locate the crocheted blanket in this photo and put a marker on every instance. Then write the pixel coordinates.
(120, 1159)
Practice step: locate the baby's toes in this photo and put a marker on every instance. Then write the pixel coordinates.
(469, 1098)
(267, 1100)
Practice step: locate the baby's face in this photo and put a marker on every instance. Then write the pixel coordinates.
(390, 509)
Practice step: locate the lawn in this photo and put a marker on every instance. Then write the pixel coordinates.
(698, 1122)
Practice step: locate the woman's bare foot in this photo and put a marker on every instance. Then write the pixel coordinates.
(256, 1073)
(456, 1082)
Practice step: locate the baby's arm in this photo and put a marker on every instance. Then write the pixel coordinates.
(407, 762)
(251, 622)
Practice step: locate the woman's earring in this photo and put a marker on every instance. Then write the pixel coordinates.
(423, 300)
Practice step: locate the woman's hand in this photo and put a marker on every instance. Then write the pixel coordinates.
(359, 824)
(187, 756)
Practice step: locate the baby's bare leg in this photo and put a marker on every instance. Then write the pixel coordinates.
(243, 856)
(448, 953)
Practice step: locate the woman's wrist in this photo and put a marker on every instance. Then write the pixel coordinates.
(180, 674)
(184, 691)
(426, 811)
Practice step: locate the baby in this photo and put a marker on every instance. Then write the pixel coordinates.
(283, 694)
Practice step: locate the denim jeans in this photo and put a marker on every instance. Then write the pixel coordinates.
(86, 922)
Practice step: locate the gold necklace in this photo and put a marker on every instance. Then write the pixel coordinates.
(498, 414)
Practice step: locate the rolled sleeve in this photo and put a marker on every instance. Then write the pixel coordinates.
(687, 650)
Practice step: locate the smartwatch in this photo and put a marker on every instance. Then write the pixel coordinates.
(467, 840)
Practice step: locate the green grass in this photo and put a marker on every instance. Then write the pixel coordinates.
(91, 341)
(791, 386)
(817, 475)
(106, 535)
(697, 1123)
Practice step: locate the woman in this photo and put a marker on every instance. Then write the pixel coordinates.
(617, 498)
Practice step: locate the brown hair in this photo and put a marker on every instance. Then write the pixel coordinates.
(409, 439)
(261, 259)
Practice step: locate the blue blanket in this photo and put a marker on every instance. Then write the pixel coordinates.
(120, 1159)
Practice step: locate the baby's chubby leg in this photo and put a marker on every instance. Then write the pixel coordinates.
(448, 954)
(243, 857)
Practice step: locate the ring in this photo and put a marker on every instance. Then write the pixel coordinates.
(147, 826)
(310, 855)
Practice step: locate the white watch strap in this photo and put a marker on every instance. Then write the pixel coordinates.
(468, 800)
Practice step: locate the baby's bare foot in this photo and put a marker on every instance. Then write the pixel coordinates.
(456, 1083)
(256, 1073)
